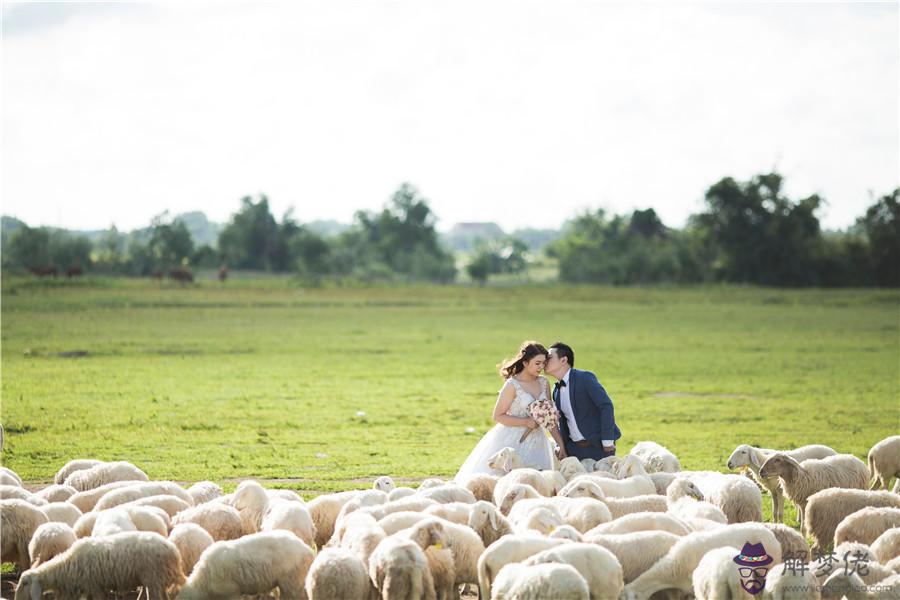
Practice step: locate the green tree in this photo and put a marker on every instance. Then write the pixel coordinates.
(29, 247)
(170, 243)
(881, 224)
(248, 240)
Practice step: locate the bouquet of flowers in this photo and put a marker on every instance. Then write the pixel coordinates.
(545, 413)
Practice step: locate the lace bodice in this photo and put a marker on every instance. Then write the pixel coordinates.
(519, 406)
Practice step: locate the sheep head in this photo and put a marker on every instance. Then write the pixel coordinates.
(582, 488)
(504, 460)
(482, 513)
(570, 467)
(29, 587)
(429, 533)
(681, 488)
(384, 483)
(779, 465)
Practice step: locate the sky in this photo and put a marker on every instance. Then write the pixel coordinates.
(519, 112)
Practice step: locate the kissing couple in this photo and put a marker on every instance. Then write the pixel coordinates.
(578, 415)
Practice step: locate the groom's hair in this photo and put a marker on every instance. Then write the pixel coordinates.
(564, 350)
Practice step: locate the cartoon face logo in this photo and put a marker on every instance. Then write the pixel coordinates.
(752, 568)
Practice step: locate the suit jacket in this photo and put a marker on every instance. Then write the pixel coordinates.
(593, 409)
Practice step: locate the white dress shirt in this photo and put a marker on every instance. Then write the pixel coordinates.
(565, 404)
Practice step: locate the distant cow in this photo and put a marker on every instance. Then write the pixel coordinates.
(182, 275)
(223, 273)
(73, 271)
(156, 274)
(45, 271)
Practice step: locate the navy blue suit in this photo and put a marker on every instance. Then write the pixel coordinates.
(594, 415)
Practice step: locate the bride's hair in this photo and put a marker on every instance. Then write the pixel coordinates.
(514, 366)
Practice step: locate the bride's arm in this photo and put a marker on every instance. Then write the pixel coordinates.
(554, 431)
(504, 401)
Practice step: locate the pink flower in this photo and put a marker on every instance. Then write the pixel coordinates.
(545, 413)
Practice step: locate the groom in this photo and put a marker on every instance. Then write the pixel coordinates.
(588, 426)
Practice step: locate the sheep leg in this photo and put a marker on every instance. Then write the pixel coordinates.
(777, 506)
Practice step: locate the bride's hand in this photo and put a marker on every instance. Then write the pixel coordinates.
(531, 423)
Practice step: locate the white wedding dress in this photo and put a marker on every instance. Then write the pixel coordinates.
(536, 451)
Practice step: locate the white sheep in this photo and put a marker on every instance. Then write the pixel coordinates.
(137, 491)
(865, 525)
(86, 501)
(70, 467)
(399, 493)
(619, 507)
(488, 522)
(204, 491)
(481, 485)
(887, 546)
(456, 512)
(826, 509)
(793, 545)
(637, 551)
(385, 484)
(431, 482)
(848, 553)
(252, 501)
(702, 524)
(884, 461)
(336, 574)
(324, 511)
(791, 580)
(121, 563)
(399, 570)
(448, 493)
(49, 540)
(540, 519)
(598, 566)
(581, 513)
(431, 538)
(566, 532)
(656, 458)
(61, 512)
(171, 505)
(509, 549)
(717, 577)
(254, 564)
(751, 458)
(588, 464)
(361, 535)
(550, 581)
(685, 500)
(111, 522)
(662, 480)
(221, 521)
(570, 466)
(801, 480)
(737, 496)
(582, 487)
(94, 477)
(18, 521)
(399, 521)
(505, 460)
(893, 564)
(642, 521)
(850, 586)
(521, 476)
(10, 477)
(56, 493)
(628, 465)
(380, 511)
(15, 492)
(515, 494)
(363, 499)
(639, 485)
(191, 541)
(290, 516)
(674, 570)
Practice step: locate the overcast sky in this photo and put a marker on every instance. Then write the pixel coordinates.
(523, 113)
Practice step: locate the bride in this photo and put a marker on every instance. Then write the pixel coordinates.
(524, 385)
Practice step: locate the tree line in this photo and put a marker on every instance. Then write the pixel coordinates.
(749, 232)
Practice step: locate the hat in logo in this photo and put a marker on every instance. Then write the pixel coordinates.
(753, 555)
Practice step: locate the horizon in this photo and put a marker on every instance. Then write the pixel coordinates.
(496, 113)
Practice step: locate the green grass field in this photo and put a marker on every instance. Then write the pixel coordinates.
(260, 378)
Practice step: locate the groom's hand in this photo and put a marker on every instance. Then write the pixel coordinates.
(560, 453)
(609, 449)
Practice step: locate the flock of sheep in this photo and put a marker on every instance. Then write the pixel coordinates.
(633, 527)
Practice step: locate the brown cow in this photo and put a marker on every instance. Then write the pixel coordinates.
(182, 275)
(44, 271)
(223, 273)
(73, 271)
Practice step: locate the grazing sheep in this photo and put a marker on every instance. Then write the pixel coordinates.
(588, 464)
(364, 499)
(851, 587)
(629, 487)
(802, 480)
(893, 564)
(86, 501)
(619, 507)
(191, 541)
(554, 479)
(384, 483)
(324, 511)
(400, 493)
(522, 476)
(793, 545)
(338, 574)
(111, 522)
(540, 519)
(204, 491)
(56, 493)
(566, 532)
(18, 522)
(61, 512)
(290, 516)
(826, 509)
(221, 521)
(481, 485)
(72, 466)
(848, 552)
(702, 524)
(417, 503)
(887, 546)
(448, 493)
(716, 576)
(662, 480)
(581, 513)
(884, 462)
(570, 467)
(675, 568)
(93, 566)
(737, 496)
(582, 487)
(137, 491)
(431, 482)
(171, 505)
(628, 466)
(399, 570)
(399, 521)
(456, 512)
(516, 493)
(284, 496)
(361, 535)
(94, 477)
(598, 566)
(488, 522)
(656, 458)
(252, 501)
(637, 551)
(254, 564)
(10, 477)
(750, 458)
(685, 500)
(505, 460)
(865, 525)
(49, 540)
(15, 492)
(550, 581)
(642, 521)
(509, 549)
(430, 537)
(791, 581)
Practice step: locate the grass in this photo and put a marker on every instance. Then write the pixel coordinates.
(260, 378)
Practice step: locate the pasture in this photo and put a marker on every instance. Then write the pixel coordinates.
(324, 389)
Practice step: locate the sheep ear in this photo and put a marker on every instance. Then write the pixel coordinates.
(493, 517)
(754, 458)
(36, 591)
(507, 463)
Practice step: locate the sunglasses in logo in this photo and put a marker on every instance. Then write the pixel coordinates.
(747, 572)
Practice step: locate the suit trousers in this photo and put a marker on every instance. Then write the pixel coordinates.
(592, 451)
